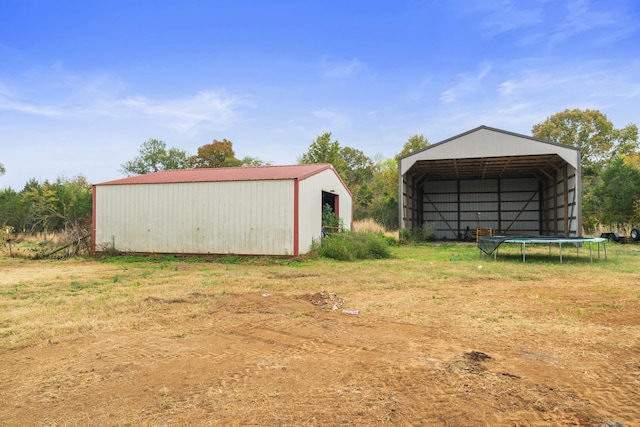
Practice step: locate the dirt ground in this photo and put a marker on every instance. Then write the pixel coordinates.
(268, 358)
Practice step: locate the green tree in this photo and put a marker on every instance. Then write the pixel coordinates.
(357, 166)
(218, 154)
(358, 173)
(614, 197)
(627, 141)
(253, 161)
(353, 166)
(384, 193)
(41, 202)
(323, 150)
(154, 156)
(383, 203)
(415, 143)
(11, 209)
(2, 169)
(74, 201)
(591, 132)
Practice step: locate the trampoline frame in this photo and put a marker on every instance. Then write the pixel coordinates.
(524, 240)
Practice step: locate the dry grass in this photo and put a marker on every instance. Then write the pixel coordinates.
(37, 245)
(53, 300)
(370, 225)
(563, 338)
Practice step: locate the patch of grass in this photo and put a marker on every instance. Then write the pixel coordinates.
(133, 259)
(296, 314)
(230, 259)
(53, 299)
(76, 286)
(14, 290)
(353, 245)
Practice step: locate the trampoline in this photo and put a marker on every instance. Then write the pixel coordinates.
(489, 245)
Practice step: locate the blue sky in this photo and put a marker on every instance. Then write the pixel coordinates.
(84, 83)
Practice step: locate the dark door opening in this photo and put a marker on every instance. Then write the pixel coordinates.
(330, 213)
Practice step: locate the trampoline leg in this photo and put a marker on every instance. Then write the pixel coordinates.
(524, 252)
(560, 244)
(591, 251)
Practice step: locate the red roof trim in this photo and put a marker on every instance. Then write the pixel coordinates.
(258, 173)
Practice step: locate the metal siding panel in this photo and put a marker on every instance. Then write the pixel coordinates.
(311, 206)
(520, 216)
(483, 217)
(523, 196)
(519, 184)
(531, 206)
(478, 197)
(439, 207)
(480, 207)
(474, 186)
(441, 198)
(244, 217)
(256, 218)
(435, 187)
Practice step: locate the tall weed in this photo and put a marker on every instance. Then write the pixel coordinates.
(354, 245)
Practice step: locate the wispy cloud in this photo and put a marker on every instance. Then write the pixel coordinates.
(65, 96)
(593, 80)
(206, 108)
(467, 84)
(508, 16)
(419, 91)
(330, 118)
(580, 19)
(551, 23)
(340, 68)
(529, 95)
(8, 104)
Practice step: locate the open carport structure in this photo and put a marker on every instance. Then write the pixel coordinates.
(491, 179)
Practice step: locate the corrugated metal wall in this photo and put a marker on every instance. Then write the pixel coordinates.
(562, 204)
(233, 217)
(310, 223)
(453, 208)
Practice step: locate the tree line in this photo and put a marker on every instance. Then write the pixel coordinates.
(610, 160)
(47, 206)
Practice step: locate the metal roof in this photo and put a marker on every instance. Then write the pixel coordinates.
(257, 173)
(488, 153)
(488, 167)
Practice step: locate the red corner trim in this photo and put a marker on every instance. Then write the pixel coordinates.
(296, 214)
(93, 218)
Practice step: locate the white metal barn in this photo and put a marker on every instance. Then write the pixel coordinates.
(490, 178)
(271, 210)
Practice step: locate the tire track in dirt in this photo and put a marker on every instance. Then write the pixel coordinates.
(602, 387)
(383, 355)
(279, 360)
